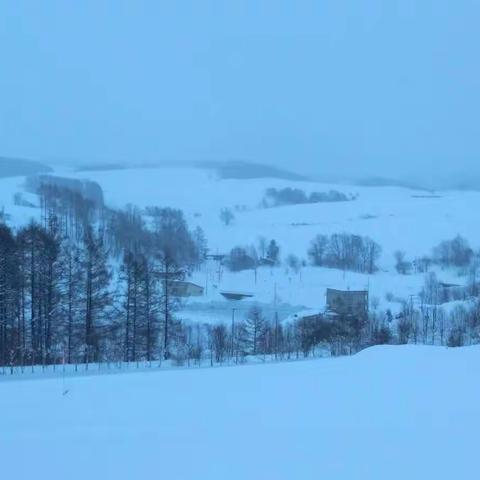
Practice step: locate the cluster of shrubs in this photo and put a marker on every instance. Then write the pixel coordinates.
(454, 253)
(294, 196)
(340, 250)
(345, 251)
(247, 258)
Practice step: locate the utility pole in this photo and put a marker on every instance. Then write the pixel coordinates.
(276, 318)
(233, 332)
(411, 318)
(206, 277)
(165, 338)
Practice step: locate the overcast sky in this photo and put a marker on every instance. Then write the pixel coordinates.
(386, 87)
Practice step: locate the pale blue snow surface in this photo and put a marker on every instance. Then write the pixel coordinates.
(386, 413)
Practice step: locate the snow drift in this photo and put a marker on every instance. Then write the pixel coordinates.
(386, 413)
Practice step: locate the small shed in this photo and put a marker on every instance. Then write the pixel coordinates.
(186, 289)
(347, 302)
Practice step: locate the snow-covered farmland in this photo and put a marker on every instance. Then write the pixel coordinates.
(386, 413)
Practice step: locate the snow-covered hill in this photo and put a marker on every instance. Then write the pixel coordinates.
(392, 413)
(397, 218)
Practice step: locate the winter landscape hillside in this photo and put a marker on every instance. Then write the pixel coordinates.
(398, 219)
(131, 379)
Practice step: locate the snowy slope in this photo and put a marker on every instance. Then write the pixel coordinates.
(386, 413)
(16, 215)
(397, 218)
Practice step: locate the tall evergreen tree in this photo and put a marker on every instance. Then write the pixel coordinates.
(10, 326)
(97, 296)
(255, 329)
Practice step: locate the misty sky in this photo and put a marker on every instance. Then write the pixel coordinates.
(385, 87)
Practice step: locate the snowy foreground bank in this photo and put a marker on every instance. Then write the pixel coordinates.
(387, 413)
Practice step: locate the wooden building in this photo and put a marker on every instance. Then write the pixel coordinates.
(347, 302)
(185, 289)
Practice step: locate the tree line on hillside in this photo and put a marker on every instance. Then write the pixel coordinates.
(294, 196)
(454, 253)
(340, 250)
(345, 251)
(88, 283)
(61, 301)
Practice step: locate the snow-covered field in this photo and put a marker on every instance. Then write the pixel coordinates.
(397, 218)
(409, 412)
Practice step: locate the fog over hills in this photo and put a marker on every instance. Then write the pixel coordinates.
(329, 90)
(244, 169)
(13, 167)
(455, 177)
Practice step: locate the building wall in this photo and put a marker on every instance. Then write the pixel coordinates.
(194, 290)
(185, 289)
(346, 302)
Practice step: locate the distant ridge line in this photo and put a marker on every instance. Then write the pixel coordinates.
(243, 170)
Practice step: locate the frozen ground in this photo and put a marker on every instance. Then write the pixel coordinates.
(392, 413)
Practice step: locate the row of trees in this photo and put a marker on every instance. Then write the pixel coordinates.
(245, 258)
(89, 283)
(317, 334)
(345, 251)
(453, 253)
(46, 286)
(294, 196)
(257, 335)
(340, 250)
(431, 324)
